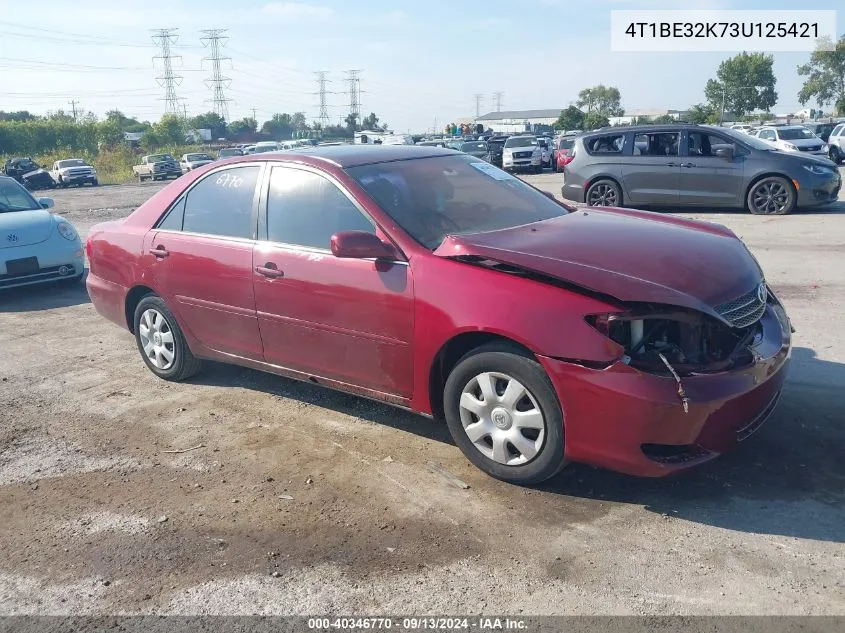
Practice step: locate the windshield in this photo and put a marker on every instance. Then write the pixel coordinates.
(73, 162)
(566, 143)
(13, 197)
(260, 149)
(157, 158)
(795, 133)
(745, 139)
(520, 141)
(229, 152)
(196, 157)
(477, 146)
(431, 198)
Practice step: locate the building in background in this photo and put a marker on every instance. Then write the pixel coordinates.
(631, 116)
(516, 121)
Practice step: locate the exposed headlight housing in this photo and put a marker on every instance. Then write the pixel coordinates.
(790, 147)
(66, 231)
(821, 170)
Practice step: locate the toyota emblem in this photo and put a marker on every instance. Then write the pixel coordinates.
(11, 237)
(762, 293)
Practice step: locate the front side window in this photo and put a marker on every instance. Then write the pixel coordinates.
(656, 144)
(837, 131)
(306, 209)
(433, 197)
(221, 203)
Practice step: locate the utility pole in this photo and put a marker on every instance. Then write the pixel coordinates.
(255, 115)
(324, 108)
(72, 103)
(168, 79)
(498, 97)
(213, 40)
(478, 98)
(354, 82)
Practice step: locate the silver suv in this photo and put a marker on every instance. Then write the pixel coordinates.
(695, 165)
(836, 143)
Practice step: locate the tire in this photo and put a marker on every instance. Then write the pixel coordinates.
(140, 179)
(497, 365)
(95, 183)
(604, 193)
(835, 154)
(773, 195)
(182, 364)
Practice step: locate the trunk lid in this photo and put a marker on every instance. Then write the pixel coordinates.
(23, 228)
(632, 256)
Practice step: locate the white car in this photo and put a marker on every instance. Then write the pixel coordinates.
(742, 127)
(836, 144)
(522, 152)
(793, 138)
(73, 171)
(267, 146)
(192, 161)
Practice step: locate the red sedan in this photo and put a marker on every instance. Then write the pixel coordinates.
(562, 154)
(436, 282)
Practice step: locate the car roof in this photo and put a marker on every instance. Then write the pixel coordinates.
(355, 155)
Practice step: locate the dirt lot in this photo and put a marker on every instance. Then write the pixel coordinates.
(304, 501)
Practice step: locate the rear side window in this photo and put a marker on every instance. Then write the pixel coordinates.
(608, 144)
(656, 144)
(837, 131)
(221, 203)
(306, 209)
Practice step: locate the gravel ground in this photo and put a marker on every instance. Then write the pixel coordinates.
(300, 500)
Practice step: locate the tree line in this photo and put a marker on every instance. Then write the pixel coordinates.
(744, 89)
(23, 133)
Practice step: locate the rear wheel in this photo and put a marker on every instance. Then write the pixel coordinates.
(604, 193)
(834, 154)
(771, 196)
(503, 414)
(161, 342)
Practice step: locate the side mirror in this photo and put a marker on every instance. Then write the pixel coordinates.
(725, 153)
(361, 245)
(45, 203)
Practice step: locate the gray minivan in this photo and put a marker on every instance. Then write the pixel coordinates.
(695, 165)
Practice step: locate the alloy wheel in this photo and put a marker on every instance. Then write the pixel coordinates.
(502, 419)
(602, 196)
(157, 339)
(771, 197)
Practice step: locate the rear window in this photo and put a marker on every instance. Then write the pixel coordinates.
(605, 144)
(566, 143)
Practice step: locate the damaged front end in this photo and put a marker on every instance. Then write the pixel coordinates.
(675, 341)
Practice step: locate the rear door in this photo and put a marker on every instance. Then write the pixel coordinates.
(707, 179)
(349, 320)
(202, 254)
(651, 172)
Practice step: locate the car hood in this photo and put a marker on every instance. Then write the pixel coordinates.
(23, 228)
(631, 256)
(805, 142)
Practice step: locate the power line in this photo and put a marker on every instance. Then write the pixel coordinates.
(498, 97)
(169, 80)
(354, 82)
(323, 118)
(478, 98)
(217, 82)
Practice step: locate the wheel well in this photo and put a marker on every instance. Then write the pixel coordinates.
(133, 298)
(449, 355)
(757, 179)
(594, 180)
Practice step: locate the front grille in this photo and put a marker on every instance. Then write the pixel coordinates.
(522, 154)
(79, 172)
(747, 309)
(813, 148)
(44, 274)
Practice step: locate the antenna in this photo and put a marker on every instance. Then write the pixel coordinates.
(213, 40)
(168, 80)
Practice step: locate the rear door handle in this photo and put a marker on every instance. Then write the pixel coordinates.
(159, 251)
(269, 270)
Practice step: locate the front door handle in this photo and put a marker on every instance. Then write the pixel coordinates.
(269, 270)
(159, 251)
(687, 164)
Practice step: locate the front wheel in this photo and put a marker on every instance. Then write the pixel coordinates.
(771, 196)
(161, 341)
(604, 193)
(834, 155)
(503, 414)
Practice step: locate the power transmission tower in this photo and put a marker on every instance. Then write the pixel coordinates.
(478, 98)
(213, 40)
(498, 97)
(168, 80)
(324, 109)
(72, 103)
(354, 82)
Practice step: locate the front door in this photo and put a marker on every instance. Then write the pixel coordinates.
(349, 320)
(707, 179)
(652, 173)
(202, 254)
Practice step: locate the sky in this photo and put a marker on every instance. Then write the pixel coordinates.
(420, 62)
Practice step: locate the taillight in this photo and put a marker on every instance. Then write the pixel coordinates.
(88, 249)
